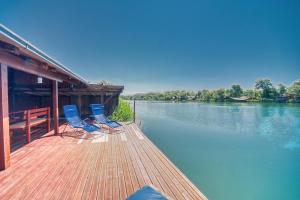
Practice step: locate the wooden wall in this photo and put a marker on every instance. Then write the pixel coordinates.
(24, 101)
(87, 100)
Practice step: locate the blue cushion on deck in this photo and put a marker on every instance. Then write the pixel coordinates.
(146, 193)
(71, 115)
(97, 111)
(73, 119)
(90, 128)
(113, 124)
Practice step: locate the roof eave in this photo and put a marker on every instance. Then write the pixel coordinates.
(31, 49)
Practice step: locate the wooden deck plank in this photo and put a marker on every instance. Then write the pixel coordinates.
(56, 167)
(66, 176)
(120, 172)
(108, 175)
(164, 181)
(113, 167)
(156, 177)
(131, 181)
(170, 180)
(19, 178)
(171, 168)
(80, 174)
(91, 182)
(142, 174)
(102, 174)
(137, 175)
(42, 185)
(21, 157)
(91, 188)
(70, 179)
(86, 173)
(64, 170)
(171, 177)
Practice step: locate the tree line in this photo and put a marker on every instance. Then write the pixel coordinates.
(264, 90)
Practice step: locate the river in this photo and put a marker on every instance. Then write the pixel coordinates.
(234, 151)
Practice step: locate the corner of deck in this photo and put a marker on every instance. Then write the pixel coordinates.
(108, 166)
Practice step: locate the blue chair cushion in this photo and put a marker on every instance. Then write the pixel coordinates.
(90, 128)
(73, 119)
(97, 111)
(146, 193)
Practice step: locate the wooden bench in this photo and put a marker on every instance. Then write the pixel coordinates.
(25, 120)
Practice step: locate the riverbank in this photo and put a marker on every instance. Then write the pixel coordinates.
(264, 91)
(214, 102)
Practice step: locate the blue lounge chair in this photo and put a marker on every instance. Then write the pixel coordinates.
(146, 193)
(74, 121)
(97, 112)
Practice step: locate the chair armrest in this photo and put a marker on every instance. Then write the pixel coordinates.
(114, 121)
(84, 121)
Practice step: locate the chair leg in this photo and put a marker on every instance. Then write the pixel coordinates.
(77, 131)
(28, 134)
(64, 129)
(121, 129)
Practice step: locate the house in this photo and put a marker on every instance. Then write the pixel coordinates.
(31, 80)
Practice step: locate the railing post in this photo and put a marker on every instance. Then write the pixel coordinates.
(134, 111)
(55, 106)
(102, 98)
(4, 119)
(48, 120)
(79, 104)
(28, 126)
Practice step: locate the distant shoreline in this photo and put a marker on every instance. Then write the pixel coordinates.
(264, 91)
(216, 102)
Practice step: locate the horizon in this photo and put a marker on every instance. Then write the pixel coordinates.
(165, 46)
(275, 85)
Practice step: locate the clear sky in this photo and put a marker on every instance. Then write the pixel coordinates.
(156, 45)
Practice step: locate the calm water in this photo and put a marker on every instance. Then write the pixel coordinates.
(230, 151)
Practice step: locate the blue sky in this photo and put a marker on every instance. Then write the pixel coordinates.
(159, 45)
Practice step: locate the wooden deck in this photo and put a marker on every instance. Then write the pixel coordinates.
(82, 167)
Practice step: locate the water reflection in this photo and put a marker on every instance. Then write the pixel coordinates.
(277, 123)
(280, 125)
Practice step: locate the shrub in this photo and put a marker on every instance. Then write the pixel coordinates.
(123, 112)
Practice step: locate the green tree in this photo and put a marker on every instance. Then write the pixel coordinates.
(254, 95)
(168, 96)
(183, 96)
(205, 95)
(281, 89)
(295, 88)
(273, 93)
(198, 95)
(263, 90)
(249, 93)
(218, 95)
(265, 85)
(236, 91)
(227, 93)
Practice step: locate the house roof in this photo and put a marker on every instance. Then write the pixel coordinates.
(10, 37)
